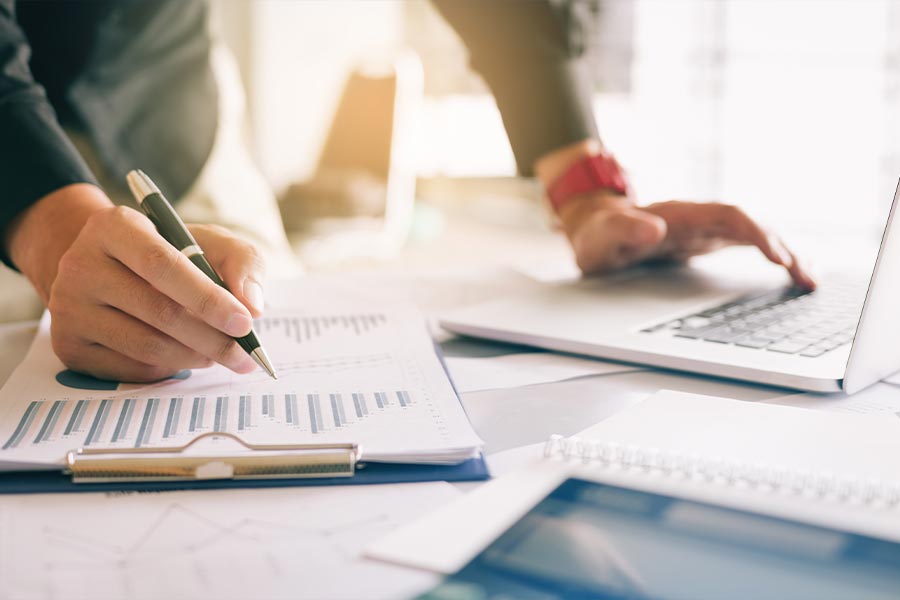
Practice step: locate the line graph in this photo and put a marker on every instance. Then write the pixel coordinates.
(291, 543)
(156, 541)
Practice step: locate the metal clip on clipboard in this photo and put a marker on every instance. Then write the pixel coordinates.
(267, 461)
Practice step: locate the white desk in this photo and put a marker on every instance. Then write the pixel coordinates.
(505, 418)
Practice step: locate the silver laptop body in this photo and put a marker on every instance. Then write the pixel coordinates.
(844, 336)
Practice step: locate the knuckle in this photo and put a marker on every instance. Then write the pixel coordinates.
(216, 229)
(168, 313)
(733, 211)
(119, 216)
(225, 350)
(255, 258)
(67, 349)
(150, 348)
(207, 301)
(159, 262)
(73, 266)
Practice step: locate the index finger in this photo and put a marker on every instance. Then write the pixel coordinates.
(132, 239)
(740, 228)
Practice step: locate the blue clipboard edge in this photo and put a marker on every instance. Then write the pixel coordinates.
(52, 482)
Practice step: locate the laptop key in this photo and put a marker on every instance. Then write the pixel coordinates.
(814, 351)
(724, 335)
(753, 342)
(768, 334)
(787, 347)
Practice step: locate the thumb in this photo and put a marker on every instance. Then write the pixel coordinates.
(238, 263)
(635, 236)
(611, 240)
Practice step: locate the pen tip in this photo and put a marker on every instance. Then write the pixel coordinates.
(262, 359)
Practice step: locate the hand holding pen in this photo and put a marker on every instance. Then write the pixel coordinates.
(125, 304)
(170, 227)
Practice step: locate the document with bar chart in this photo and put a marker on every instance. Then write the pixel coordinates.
(368, 377)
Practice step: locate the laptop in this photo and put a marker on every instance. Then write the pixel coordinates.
(842, 337)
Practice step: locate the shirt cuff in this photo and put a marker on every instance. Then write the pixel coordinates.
(38, 158)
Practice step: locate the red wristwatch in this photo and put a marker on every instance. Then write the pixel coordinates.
(598, 171)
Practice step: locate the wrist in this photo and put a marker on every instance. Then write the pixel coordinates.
(39, 236)
(578, 209)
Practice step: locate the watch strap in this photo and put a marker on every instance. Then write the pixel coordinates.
(594, 172)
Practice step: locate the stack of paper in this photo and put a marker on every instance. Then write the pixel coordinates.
(368, 377)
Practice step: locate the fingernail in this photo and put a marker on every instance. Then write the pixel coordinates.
(254, 294)
(239, 325)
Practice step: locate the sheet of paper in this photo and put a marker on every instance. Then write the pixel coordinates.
(893, 379)
(267, 543)
(862, 447)
(878, 399)
(517, 370)
(370, 377)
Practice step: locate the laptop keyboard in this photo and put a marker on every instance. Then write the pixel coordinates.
(790, 321)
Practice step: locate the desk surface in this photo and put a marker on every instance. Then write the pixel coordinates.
(506, 419)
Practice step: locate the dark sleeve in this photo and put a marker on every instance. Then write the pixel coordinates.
(36, 157)
(531, 56)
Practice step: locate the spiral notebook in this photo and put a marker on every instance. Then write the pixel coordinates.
(831, 469)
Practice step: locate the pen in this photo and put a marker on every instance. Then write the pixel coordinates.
(172, 228)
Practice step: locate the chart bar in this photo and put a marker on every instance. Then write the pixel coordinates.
(197, 413)
(319, 417)
(50, 422)
(74, 423)
(337, 409)
(340, 406)
(244, 413)
(290, 409)
(268, 405)
(381, 399)
(147, 422)
(99, 422)
(124, 422)
(403, 397)
(23, 426)
(172, 417)
(359, 403)
(315, 413)
(221, 422)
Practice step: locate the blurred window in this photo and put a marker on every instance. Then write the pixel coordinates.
(791, 108)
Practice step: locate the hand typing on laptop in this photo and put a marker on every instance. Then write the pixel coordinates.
(609, 231)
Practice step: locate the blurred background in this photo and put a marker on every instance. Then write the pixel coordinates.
(386, 150)
(790, 108)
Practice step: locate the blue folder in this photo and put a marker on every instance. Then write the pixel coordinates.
(51, 482)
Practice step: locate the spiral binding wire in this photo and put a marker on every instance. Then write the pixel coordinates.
(755, 476)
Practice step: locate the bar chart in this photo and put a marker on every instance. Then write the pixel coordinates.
(304, 330)
(157, 421)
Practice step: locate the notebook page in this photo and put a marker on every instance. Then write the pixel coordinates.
(705, 427)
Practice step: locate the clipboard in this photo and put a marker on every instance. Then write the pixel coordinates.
(269, 465)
